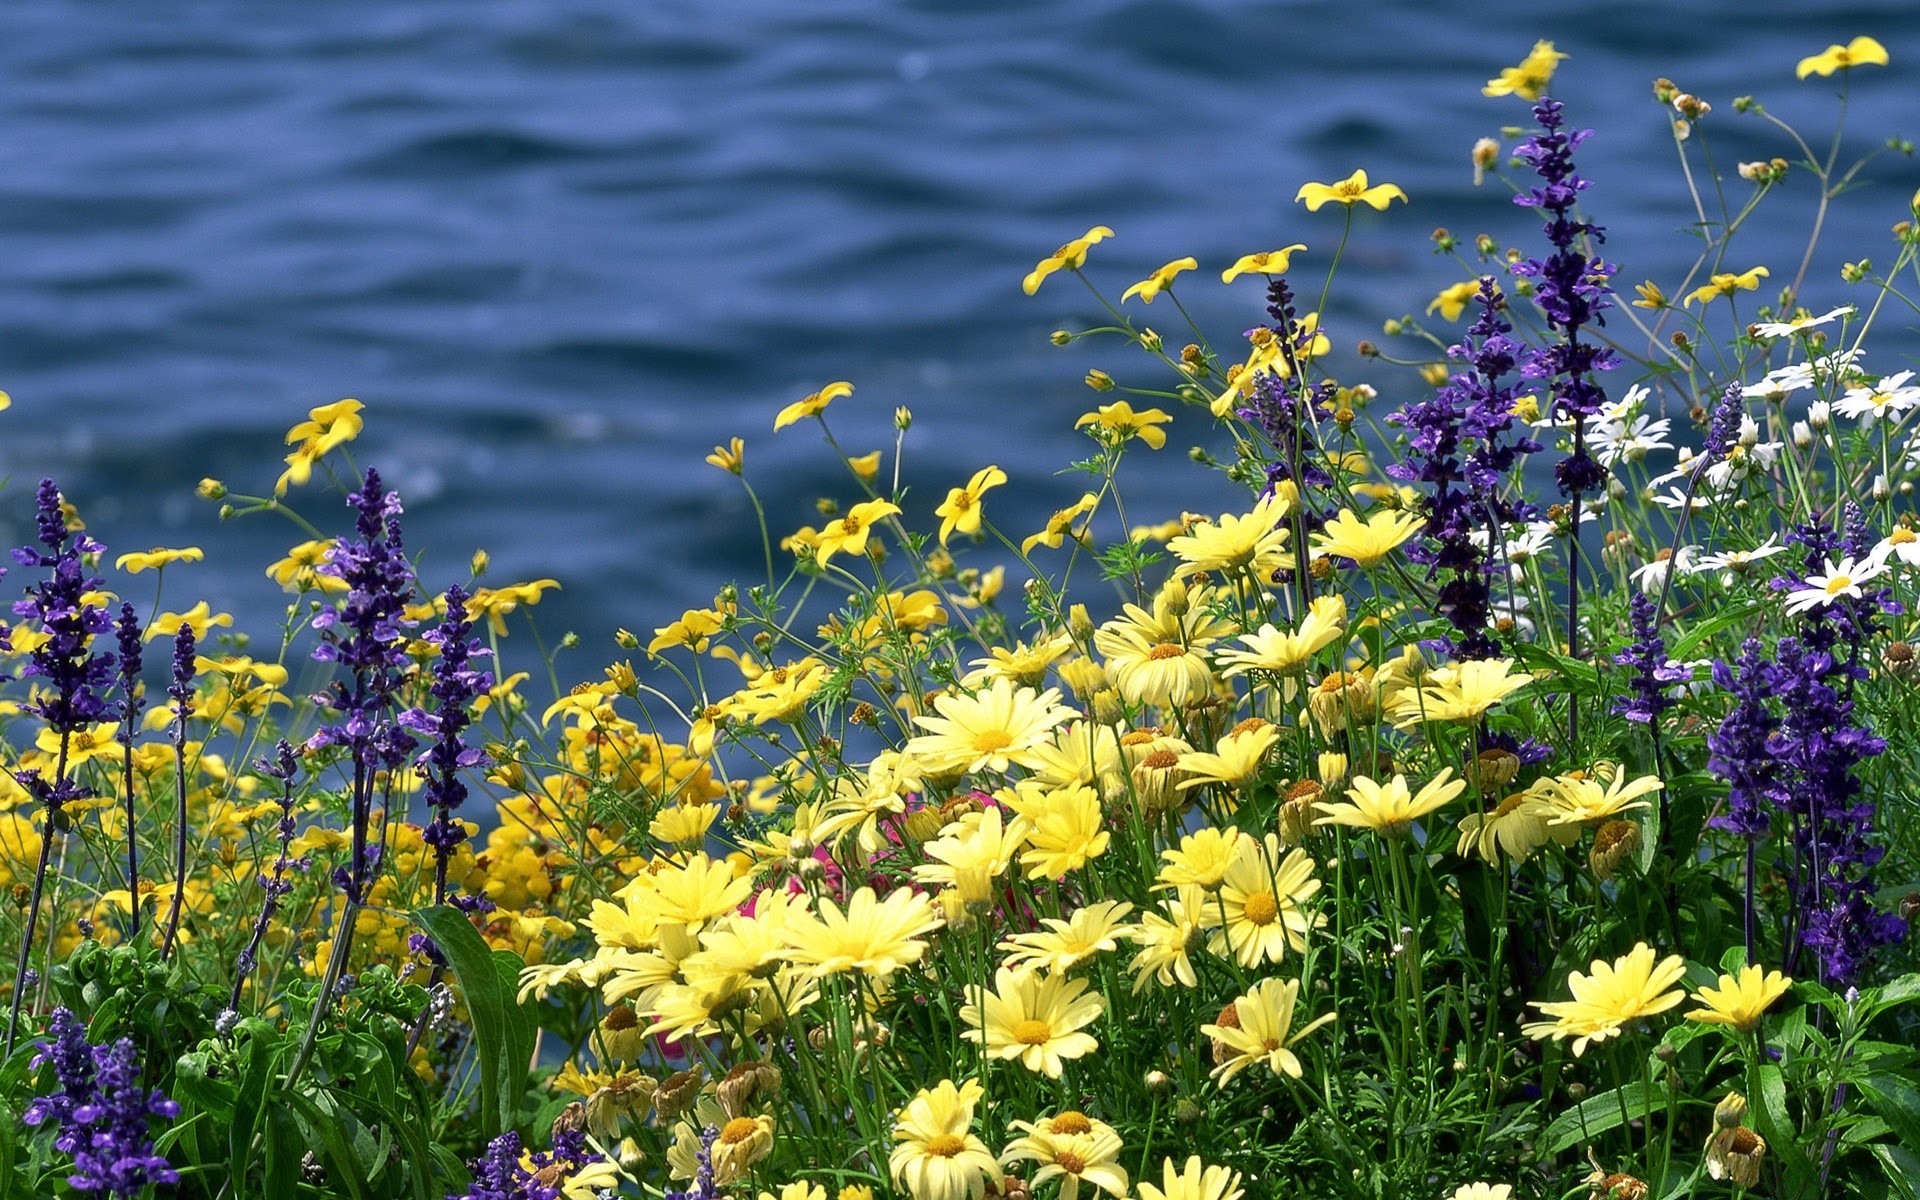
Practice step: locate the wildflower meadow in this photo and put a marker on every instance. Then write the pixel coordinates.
(1512, 796)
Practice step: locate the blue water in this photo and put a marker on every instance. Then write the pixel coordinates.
(562, 249)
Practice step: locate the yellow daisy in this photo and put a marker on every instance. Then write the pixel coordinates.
(1195, 1181)
(1258, 910)
(1072, 1151)
(874, 937)
(1366, 540)
(1261, 1032)
(994, 729)
(1628, 988)
(1587, 799)
(1033, 1017)
(1167, 942)
(1462, 692)
(936, 1155)
(1391, 810)
(1287, 653)
(1062, 828)
(1255, 541)
(1064, 945)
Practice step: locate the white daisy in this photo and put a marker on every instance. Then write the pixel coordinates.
(1734, 564)
(1890, 400)
(1771, 330)
(1843, 579)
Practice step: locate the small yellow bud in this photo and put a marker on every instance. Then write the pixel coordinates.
(1099, 380)
(478, 564)
(625, 639)
(211, 489)
(1060, 337)
(903, 418)
(1150, 341)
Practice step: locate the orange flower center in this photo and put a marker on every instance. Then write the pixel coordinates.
(1260, 908)
(1032, 1033)
(1069, 1162)
(945, 1145)
(738, 1130)
(1071, 1121)
(1160, 760)
(988, 740)
(1164, 651)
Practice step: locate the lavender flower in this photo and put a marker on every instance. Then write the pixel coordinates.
(274, 883)
(76, 682)
(1653, 672)
(1286, 409)
(102, 1115)
(499, 1174)
(366, 635)
(704, 1187)
(127, 635)
(1458, 445)
(1740, 751)
(456, 684)
(180, 691)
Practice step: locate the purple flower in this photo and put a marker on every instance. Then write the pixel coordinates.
(499, 1174)
(456, 684)
(101, 1114)
(366, 635)
(1653, 672)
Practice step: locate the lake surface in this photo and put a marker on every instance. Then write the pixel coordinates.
(561, 249)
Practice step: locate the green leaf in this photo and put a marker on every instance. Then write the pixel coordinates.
(1902, 1169)
(1597, 1114)
(344, 1167)
(1767, 1104)
(285, 1148)
(1740, 615)
(502, 1030)
(1897, 1102)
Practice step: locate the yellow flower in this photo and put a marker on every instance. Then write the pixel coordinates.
(994, 729)
(1651, 295)
(692, 630)
(1259, 903)
(1064, 945)
(1201, 859)
(198, 618)
(326, 427)
(1366, 540)
(936, 1155)
(873, 937)
(1158, 282)
(1860, 52)
(1072, 1148)
(1350, 191)
(1528, 80)
(1120, 422)
(866, 466)
(1167, 942)
(1390, 810)
(1265, 262)
(156, 558)
(731, 457)
(1628, 988)
(1235, 760)
(1254, 542)
(812, 405)
(1064, 827)
(1060, 525)
(1452, 301)
(1463, 692)
(1482, 1191)
(1195, 1182)
(495, 603)
(798, 1191)
(1069, 257)
(962, 509)
(1583, 799)
(850, 532)
(1727, 284)
(296, 571)
(1741, 1000)
(1033, 1018)
(1287, 653)
(1262, 1033)
(1511, 831)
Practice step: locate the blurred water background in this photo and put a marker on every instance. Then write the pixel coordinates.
(561, 248)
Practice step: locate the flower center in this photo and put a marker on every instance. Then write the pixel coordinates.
(1902, 536)
(1071, 1121)
(738, 1130)
(1838, 584)
(945, 1145)
(1161, 760)
(1069, 1162)
(1347, 189)
(1164, 651)
(1260, 908)
(1032, 1033)
(988, 740)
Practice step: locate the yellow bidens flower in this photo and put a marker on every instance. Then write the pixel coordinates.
(1741, 1000)
(200, 618)
(1651, 295)
(937, 1157)
(962, 509)
(813, 405)
(1034, 1018)
(1266, 262)
(1060, 525)
(1068, 257)
(850, 532)
(1159, 281)
(1626, 989)
(1119, 421)
(731, 457)
(1528, 80)
(1452, 301)
(1350, 191)
(1860, 52)
(154, 559)
(326, 427)
(1726, 284)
